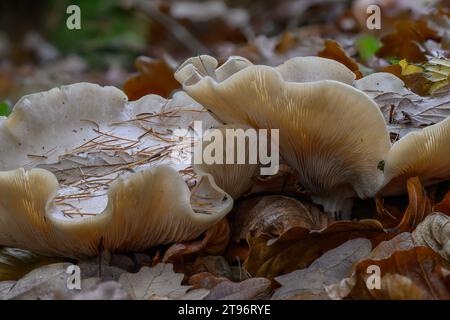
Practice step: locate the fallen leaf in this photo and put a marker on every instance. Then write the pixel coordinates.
(159, 281)
(41, 283)
(434, 232)
(425, 269)
(330, 268)
(405, 42)
(15, 263)
(403, 110)
(216, 265)
(398, 287)
(273, 215)
(94, 289)
(250, 289)
(444, 205)
(334, 51)
(418, 208)
(214, 241)
(205, 280)
(154, 76)
(298, 247)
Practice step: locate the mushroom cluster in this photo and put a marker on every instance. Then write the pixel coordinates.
(83, 170)
(331, 132)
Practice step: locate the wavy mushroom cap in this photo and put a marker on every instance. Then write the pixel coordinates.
(234, 177)
(424, 154)
(95, 172)
(332, 133)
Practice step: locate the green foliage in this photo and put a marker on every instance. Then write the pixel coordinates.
(367, 46)
(4, 109)
(109, 34)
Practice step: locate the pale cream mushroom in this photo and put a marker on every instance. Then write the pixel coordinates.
(332, 133)
(233, 175)
(424, 154)
(84, 170)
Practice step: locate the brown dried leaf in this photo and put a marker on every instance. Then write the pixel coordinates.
(273, 215)
(444, 205)
(154, 76)
(330, 268)
(205, 280)
(159, 281)
(404, 42)
(419, 205)
(250, 289)
(434, 232)
(214, 242)
(298, 247)
(424, 268)
(334, 51)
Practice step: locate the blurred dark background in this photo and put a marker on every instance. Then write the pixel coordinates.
(38, 51)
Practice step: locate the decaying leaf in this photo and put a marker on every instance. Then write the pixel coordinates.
(334, 51)
(418, 208)
(298, 247)
(214, 241)
(434, 232)
(273, 215)
(41, 283)
(159, 281)
(216, 265)
(405, 42)
(15, 263)
(425, 269)
(404, 111)
(330, 268)
(444, 205)
(250, 289)
(94, 289)
(155, 76)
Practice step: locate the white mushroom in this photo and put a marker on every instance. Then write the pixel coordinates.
(83, 170)
(332, 133)
(424, 154)
(234, 177)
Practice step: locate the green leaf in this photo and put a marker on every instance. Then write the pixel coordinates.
(4, 109)
(367, 46)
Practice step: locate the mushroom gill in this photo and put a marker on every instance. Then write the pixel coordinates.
(333, 134)
(85, 170)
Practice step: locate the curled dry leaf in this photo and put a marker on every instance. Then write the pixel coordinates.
(444, 205)
(159, 282)
(434, 232)
(273, 215)
(15, 263)
(330, 268)
(334, 51)
(418, 208)
(214, 241)
(425, 269)
(155, 76)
